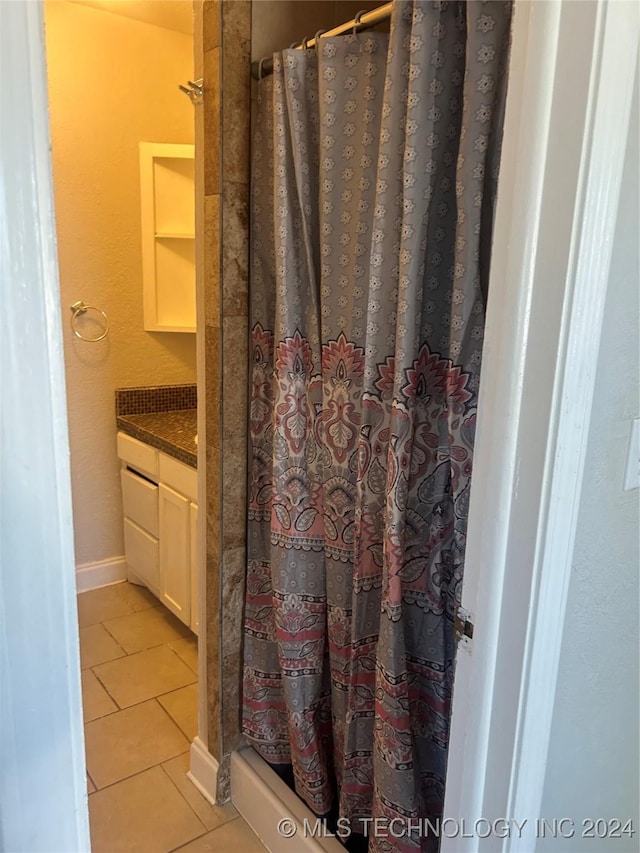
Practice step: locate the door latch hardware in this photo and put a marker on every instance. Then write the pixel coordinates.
(463, 627)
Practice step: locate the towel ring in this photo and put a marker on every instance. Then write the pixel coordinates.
(77, 310)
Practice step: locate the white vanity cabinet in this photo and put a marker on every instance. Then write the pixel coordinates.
(159, 497)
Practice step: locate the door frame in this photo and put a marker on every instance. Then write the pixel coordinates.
(566, 126)
(43, 784)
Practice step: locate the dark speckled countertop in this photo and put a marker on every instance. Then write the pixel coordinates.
(171, 432)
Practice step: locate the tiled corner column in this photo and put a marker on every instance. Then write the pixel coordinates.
(226, 35)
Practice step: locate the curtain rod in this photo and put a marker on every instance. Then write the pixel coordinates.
(362, 21)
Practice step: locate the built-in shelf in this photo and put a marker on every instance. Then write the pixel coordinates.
(168, 241)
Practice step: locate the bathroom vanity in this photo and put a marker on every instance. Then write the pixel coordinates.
(159, 480)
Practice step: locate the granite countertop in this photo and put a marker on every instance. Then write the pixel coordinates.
(172, 432)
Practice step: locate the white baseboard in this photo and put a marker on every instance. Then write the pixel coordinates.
(203, 770)
(100, 573)
(263, 800)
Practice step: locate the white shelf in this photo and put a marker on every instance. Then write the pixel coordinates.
(168, 241)
(175, 236)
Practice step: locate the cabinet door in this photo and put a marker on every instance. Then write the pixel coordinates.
(175, 567)
(194, 568)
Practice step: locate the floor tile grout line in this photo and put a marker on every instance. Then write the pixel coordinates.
(130, 607)
(115, 639)
(145, 649)
(137, 651)
(91, 665)
(157, 763)
(106, 690)
(190, 667)
(101, 620)
(175, 690)
(89, 776)
(132, 654)
(175, 722)
(164, 613)
(206, 832)
(141, 702)
(133, 775)
(182, 659)
(149, 698)
(155, 698)
(103, 625)
(166, 772)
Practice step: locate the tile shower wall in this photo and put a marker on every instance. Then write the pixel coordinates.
(226, 38)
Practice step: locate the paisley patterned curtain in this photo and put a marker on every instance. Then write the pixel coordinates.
(375, 164)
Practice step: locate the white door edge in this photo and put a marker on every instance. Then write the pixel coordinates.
(611, 91)
(570, 90)
(43, 786)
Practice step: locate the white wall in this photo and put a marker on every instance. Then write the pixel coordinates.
(593, 761)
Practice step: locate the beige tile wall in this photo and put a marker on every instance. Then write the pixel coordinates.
(226, 38)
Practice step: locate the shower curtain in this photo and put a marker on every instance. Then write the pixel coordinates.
(375, 163)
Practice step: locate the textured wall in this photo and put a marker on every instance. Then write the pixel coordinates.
(594, 755)
(112, 83)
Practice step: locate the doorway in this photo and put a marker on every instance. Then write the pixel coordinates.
(122, 150)
(45, 621)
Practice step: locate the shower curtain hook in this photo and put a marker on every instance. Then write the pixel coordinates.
(356, 21)
(305, 43)
(316, 38)
(260, 64)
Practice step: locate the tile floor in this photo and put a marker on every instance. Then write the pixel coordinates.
(140, 697)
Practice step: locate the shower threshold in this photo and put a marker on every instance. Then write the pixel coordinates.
(268, 805)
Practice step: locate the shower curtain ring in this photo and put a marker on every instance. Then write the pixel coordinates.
(294, 45)
(316, 38)
(356, 20)
(305, 43)
(260, 64)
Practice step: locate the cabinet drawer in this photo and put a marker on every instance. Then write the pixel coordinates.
(141, 552)
(178, 476)
(140, 501)
(137, 454)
